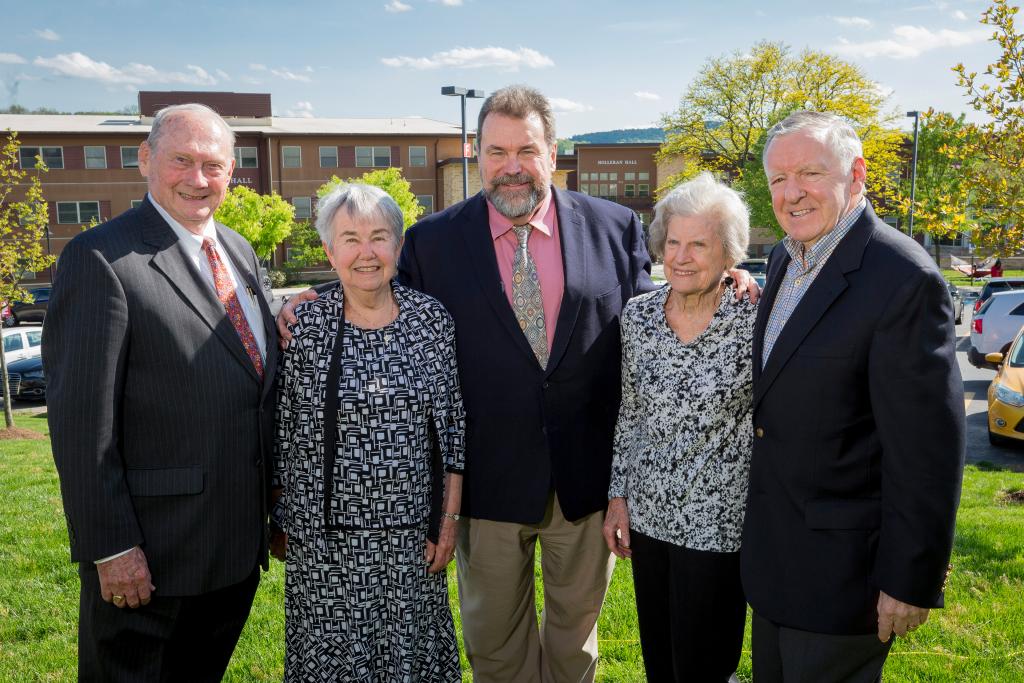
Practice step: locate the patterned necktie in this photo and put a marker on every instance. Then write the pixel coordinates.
(526, 300)
(227, 296)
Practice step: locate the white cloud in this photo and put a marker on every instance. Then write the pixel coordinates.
(560, 105)
(289, 75)
(222, 75)
(78, 65)
(451, 3)
(47, 34)
(303, 109)
(911, 41)
(644, 95)
(860, 22)
(11, 58)
(475, 58)
(250, 80)
(960, 14)
(396, 6)
(258, 67)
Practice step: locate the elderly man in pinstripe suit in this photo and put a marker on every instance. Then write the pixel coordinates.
(160, 357)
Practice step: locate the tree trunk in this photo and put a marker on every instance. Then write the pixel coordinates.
(8, 412)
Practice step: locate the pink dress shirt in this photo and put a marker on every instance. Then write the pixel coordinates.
(545, 248)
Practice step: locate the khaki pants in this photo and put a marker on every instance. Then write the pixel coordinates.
(499, 618)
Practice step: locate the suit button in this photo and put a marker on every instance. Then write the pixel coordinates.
(259, 462)
(547, 384)
(759, 432)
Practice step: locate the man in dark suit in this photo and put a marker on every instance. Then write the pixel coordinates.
(858, 422)
(160, 355)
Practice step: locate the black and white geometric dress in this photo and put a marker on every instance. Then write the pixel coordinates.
(359, 603)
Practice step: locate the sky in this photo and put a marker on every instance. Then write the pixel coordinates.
(604, 64)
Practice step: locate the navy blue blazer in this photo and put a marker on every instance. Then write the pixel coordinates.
(859, 438)
(530, 429)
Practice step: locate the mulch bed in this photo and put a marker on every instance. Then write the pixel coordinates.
(20, 433)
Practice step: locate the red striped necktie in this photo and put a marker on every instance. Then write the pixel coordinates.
(227, 296)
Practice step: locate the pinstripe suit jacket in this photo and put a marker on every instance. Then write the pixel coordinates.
(160, 425)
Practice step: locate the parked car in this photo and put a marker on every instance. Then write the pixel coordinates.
(958, 303)
(1006, 395)
(26, 380)
(33, 311)
(758, 268)
(22, 342)
(995, 325)
(997, 284)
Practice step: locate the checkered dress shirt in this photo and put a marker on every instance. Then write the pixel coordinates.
(799, 277)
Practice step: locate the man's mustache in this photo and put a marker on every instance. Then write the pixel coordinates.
(512, 179)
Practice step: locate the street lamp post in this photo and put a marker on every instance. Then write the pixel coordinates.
(913, 172)
(462, 94)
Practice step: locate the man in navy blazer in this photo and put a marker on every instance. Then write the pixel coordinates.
(858, 422)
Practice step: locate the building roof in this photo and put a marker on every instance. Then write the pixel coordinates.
(113, 124)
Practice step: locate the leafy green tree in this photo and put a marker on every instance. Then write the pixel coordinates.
(265, 220)
(305, 243)
(724, 114)
(998, 178)
(942, 196)
(23, 225)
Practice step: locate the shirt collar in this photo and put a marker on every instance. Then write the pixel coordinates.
(542, 219)
(192, 242)
(828, 242)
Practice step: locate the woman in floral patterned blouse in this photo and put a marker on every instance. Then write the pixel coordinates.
(683, 439)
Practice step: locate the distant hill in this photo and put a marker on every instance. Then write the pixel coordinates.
(621, 135)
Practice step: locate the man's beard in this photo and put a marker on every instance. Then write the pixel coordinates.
(519, 203)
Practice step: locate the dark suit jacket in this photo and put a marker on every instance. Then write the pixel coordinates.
(161, 428)
(859, 439)
(529, 429)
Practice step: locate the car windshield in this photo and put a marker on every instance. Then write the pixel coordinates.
(1017, 353)
(1004, 286)
(754, 266)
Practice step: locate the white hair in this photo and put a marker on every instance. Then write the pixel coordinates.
(362, 203)
(168, 113)
(828, 129)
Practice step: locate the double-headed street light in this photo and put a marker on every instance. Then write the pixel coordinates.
(462, 94)
(916, 115)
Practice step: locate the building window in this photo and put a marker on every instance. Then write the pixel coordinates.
(585, 188)
(628, 190)
(604, 176)
(643, 190)
(129, 157)
(303, 207)
(373, 156)
(95, 156)
(427, 202)
(290, 253)
(328, 157)
(602, 190)
(643, 175)
(417, 156)
(613, 190)
(291, 157)
(53, 157)
(613, 176)
(77, 212)
(136, 203)
(629, 176)
(246, 157)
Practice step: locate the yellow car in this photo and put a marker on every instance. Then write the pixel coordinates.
(1006, 395)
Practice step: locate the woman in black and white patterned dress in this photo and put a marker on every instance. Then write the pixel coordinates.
(369, 461)
(683, 439)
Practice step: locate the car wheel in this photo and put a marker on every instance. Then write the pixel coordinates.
(10, 322)
(998, 439)
(959, 318)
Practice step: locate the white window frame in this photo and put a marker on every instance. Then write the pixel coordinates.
(643, 190)
(428, 209)
(284, 156)
(336, 158)
(411, 163)
(307, 209)
(85, 152)
(39, 152)
(136, 148)
(255, 157)
(78, 212)
(643, 175)
(373, 156)
(136, 203)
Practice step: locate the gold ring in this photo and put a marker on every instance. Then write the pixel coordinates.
(118, 599)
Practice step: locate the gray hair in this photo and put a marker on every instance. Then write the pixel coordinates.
(828, 129)
(518, 102)
(706, 197)
(168, 113)
(362, 203)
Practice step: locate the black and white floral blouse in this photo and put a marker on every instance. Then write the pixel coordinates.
(398, 392)
(683, 439)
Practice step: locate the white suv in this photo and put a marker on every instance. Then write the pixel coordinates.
(995, 325)
(22, 342)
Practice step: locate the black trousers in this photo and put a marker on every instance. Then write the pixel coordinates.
(170, 639)
(792, 656)
(691, 610)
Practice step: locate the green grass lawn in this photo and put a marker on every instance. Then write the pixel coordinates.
(978, 637)
(961, 280)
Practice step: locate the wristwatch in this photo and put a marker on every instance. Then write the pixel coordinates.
(451, 515)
